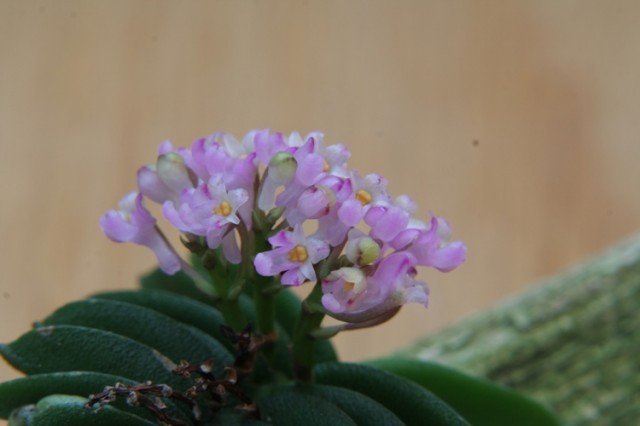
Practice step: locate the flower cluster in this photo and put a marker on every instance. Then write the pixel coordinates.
(365, 246)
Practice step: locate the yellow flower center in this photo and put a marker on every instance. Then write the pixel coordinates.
(326, 167)
(348, 286)
(224, 209)
(364, 197)
(298, 254)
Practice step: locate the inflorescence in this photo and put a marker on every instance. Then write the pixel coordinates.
(255, 201)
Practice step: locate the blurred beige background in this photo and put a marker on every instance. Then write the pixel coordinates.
(518, 121)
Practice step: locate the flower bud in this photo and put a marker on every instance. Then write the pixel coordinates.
(362, 251)
(174, 172)
(282, 167)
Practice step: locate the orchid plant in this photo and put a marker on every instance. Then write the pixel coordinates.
(215, 336)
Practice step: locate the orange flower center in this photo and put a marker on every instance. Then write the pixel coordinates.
(364, 197)
(224, 209)
(298, 254)
(348, 286)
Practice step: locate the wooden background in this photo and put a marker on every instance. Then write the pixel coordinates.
(518, 121)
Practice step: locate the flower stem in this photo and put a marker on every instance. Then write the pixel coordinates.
(227, 305)
(232, 314)
(303, 344)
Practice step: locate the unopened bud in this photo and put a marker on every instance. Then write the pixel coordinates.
(282, 167)
(362, 251)
(174, 173)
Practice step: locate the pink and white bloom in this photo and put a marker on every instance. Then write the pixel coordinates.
(208, 210)
(363, 297)
(132, 222)
(367, 192)
(431, 247)
(293, 255)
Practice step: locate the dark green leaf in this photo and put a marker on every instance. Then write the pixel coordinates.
(479, 401)
(362, 409)
(58, 410)
(410, 402)
(71, 348)
(290, 408)
(174, 339)
(180, 308)
(30, 389)
(232, 417)
(287, 307)
(22, 416)
(178, 283)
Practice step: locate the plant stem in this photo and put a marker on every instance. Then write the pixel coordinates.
(303, 343)
(232, 314)
(229, 307)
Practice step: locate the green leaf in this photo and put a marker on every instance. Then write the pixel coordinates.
(173, 339)
(30, 389)
(22, 416)
(67, 410)
(410, 402)
(178, 283)
(362, 409)
(180, 308)
(287, 407)
(287, 307)
(61, 348)
(232, 417)
(479, 401)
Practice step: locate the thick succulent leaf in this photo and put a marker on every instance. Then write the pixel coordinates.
(22, 416)
(232, 417)
(30, 389)
(178, 283)
(479, 401)
(174, 339)
(287, 307)
(61, 348)
(178, 307)
(287, 407)
(410, 402)
(362, 409)
(67, 410)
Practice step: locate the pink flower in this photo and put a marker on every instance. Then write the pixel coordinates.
(431, 247)
(133, 223)
(294, 255)
(208, 210)
(363, 297)
(367, 192)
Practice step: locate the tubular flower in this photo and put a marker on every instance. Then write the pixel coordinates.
(133, 223)
(257, 195)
